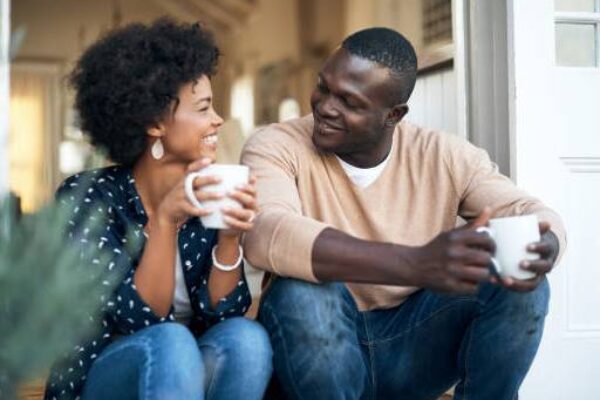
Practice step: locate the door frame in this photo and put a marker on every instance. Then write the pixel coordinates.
(482, 42)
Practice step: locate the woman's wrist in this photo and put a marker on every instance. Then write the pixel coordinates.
(227, 250)
(158, 223)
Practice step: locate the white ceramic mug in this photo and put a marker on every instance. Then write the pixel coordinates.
(231, 176)
(512, 236)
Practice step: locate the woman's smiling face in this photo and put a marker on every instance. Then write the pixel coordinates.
(190, 131)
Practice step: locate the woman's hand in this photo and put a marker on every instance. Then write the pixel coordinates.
(175, 208)
(241, 220)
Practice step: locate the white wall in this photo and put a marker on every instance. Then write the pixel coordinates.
(433, 102)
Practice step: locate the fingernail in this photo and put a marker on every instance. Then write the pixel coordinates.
(226, 209)
(525, 264)
(531, 247)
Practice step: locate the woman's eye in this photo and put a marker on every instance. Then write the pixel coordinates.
(203, 109)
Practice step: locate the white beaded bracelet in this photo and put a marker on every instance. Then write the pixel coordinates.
(227, 268)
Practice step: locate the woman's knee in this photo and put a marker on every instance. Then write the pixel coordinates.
(247, 344)
(174, 345)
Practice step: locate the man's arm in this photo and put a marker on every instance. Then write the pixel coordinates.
(455, 261)
(285, 242)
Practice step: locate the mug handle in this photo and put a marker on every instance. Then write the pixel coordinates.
(495, 267)
(189, 189)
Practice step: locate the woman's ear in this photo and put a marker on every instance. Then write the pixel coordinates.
(156, 131)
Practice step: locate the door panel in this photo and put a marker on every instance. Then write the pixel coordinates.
(555, 143)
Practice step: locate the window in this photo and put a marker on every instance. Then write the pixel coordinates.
(577, 30)
(437, 21)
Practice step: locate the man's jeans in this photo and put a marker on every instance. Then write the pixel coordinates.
(232, 360)
(324, 348)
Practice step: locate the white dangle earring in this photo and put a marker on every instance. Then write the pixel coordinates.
(158, 151)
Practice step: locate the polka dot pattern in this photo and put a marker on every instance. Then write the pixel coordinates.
(107, 198)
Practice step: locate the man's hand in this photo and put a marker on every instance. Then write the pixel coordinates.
(547, 248)
(455, 261)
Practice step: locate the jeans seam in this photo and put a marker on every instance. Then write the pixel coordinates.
(371, 356)
(219, 352)
(266, 307)
(435, 314)
(149, 368)
(467, 351)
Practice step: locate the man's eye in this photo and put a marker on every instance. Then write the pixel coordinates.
(203, 109)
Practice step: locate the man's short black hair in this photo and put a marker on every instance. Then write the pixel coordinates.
(389, 49)
(127, 81)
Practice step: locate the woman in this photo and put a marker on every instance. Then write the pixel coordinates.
(143, 94)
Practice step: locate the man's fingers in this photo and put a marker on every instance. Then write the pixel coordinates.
(473, 239)
(544, 227)
(544, 249)
(482, 219)
(471, 273)
(524, 285)
(518, 285)
(539, 267)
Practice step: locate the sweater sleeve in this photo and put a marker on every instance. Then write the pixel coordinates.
(480, 184)
(282, 239)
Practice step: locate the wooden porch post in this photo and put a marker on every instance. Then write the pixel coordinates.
(4, 93)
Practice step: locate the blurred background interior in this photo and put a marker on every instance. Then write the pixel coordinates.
(519, 78)
(272, 52)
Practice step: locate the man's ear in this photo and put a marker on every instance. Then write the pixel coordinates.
(396, 114)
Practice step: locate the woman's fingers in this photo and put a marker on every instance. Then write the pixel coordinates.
(206, 196)
(201, 181)
(248, 201)
(236, 224)
(193, 211)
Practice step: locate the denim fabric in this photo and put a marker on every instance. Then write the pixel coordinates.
(324, 348)
(232, 360)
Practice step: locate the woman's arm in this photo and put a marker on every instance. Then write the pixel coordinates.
(221, 283)
(155, 274)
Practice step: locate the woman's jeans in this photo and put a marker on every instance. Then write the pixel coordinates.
(324, 348)
(232, 360)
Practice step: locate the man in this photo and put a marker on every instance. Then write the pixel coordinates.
(354, 194)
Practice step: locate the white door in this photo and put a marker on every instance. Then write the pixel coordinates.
(554, 78)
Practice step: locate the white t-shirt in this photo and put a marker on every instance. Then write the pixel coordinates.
(181, 298)
(363, 177)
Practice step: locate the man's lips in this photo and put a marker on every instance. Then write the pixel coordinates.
(325, 126)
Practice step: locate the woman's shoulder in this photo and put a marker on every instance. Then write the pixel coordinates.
(94, 185)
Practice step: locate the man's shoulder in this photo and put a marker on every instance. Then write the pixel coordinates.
(428, 140)
(294, 135)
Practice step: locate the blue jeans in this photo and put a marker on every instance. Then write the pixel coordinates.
(324, 348)
(232, 360)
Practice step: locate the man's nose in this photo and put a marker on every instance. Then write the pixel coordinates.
(327, 107)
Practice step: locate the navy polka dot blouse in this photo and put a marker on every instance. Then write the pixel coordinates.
(108, 198)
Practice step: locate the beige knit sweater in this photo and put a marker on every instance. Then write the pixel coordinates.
(430, 179)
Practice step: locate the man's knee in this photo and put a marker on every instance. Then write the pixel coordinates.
(309, 323)
(526, 309)
(294, 304)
